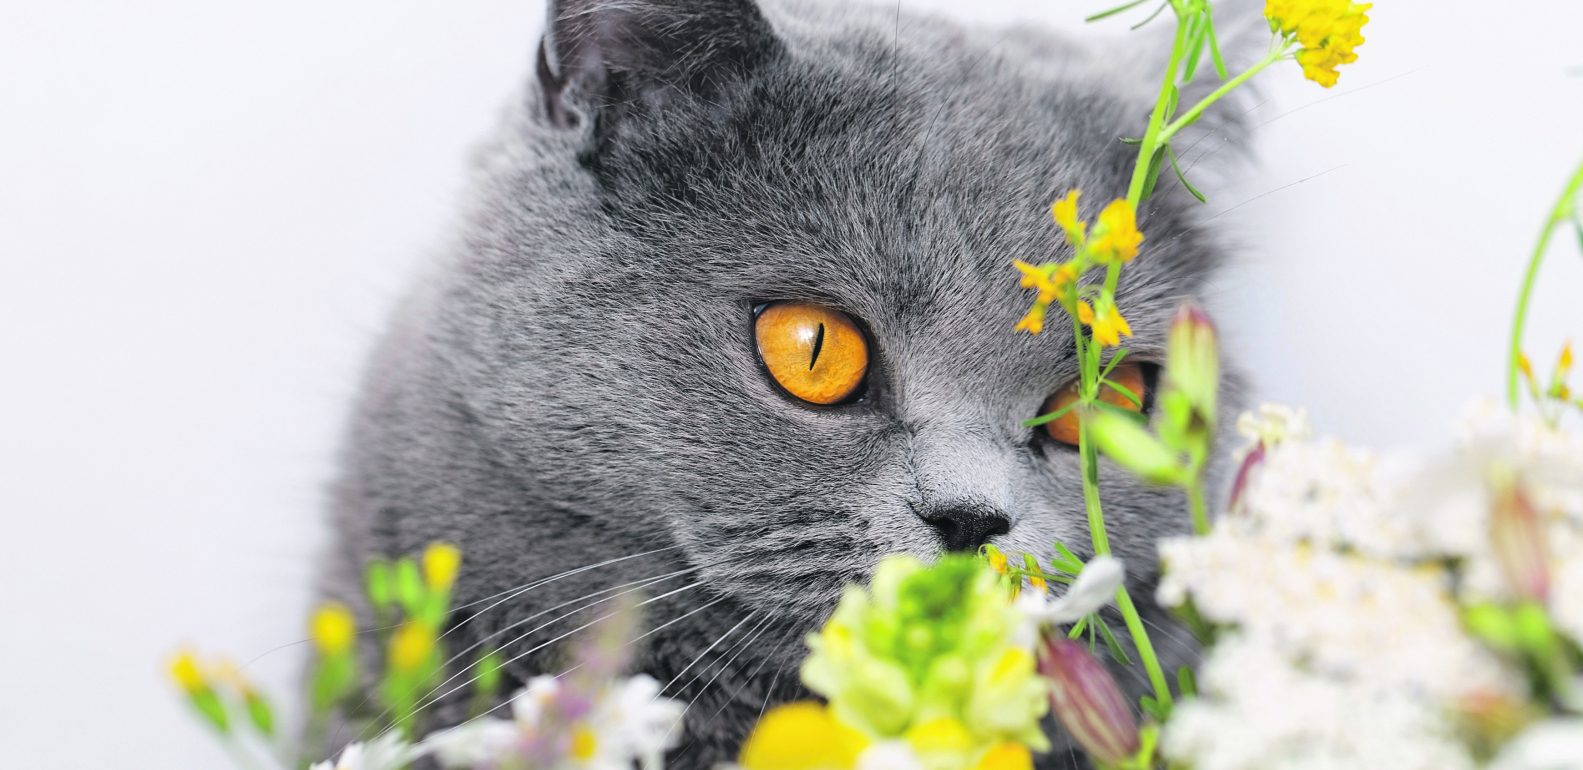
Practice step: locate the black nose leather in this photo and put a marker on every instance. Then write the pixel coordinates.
(965, 529)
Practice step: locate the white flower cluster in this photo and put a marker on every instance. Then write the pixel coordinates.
(628, 722)
(1340, 576)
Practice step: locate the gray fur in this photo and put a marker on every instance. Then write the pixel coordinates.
(577, 380)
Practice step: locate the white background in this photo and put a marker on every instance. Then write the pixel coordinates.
(206, 209)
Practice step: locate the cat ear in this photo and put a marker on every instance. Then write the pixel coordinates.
(617, 55)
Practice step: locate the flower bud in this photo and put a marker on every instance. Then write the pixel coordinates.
(332, 628)
(440, 563)
(1086, 699)
(1136, 449)
(1193, 361)
(1518, 538)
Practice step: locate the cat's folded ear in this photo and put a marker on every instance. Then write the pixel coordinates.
(615, 56)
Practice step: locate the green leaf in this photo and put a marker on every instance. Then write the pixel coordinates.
(1154, 709)
(1130, 415)
(1077, 628)
(1114, 11)
(1214, 46)
(208, 704)
(1115, 359)
(1136, 449)
(409, 587)
(333, 681)
(1131, 142)
(1196, 52)
(259, 712)
(1055, 415)
(378, 583)
(1151, 16)
(1110, 641)
(1182, 176)
(1154, 174)
(1066, 561)
(1125, 391)
(1170, 104)
(1186, 683)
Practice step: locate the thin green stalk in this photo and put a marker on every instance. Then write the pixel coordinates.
(1192, 115)
(1151, 136)
(1562, 211)
(1096, 515)
(1140, 640)
(1195, 503)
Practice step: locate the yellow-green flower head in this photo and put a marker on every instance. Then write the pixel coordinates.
(923, 644)
(410, 646)
(1328, 30)
(1116, 235)
(332, 628)
(440, 563)
(184, 670)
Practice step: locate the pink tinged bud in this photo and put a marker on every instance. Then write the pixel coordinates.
(1254, 459)
(1517, 536)
(1086, 699)
(1193, 359)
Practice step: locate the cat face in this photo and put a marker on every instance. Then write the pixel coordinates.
(583, 378)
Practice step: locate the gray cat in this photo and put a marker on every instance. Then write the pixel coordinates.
(580, 381)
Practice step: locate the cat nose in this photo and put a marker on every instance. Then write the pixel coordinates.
(965, 529)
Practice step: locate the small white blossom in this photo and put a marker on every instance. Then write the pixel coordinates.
(1094, 588)
(1258, 711)
(1554, 744)
(386, 752)
(629, 722)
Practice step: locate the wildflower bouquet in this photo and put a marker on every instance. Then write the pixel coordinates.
(1354, 612)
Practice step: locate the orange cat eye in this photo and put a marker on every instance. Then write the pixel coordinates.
(1064, 428)
(817, 354)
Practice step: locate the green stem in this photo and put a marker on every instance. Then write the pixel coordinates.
(1140, 640)
(1562, 210)
(1151, 136)
(1096, 515)
(1195, 503)
(1192, 115)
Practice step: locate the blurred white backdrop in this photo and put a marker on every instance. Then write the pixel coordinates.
(206, 210)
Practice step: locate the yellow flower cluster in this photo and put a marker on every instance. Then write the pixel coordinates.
(1328, 30)
(1115, 240)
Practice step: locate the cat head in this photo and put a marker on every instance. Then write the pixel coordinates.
(679, 168)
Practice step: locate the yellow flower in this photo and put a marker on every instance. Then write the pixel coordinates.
(332, 628)
(1065, 211)
(1006, 756)
(1116, 235)
(1053, 281)
(801, 736)
(440, 562)
(1328, 30)
(1033, 322)
(1564, 364)
(184, 669)
(410, 646)
(584, 743)
(1107, 323)
(997, 559)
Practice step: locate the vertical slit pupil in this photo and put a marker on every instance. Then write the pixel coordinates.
(818, 344)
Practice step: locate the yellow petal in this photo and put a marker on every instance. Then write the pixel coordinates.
(184, 669)
(410, 646)
(1006, 756)
(801, 736)
(332, 628)
(440, 563)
